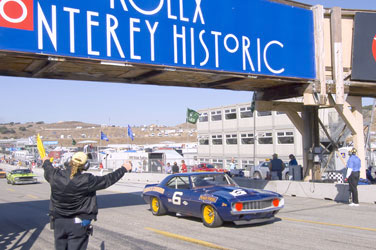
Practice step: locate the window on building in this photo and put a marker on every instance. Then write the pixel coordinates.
(203, 140)
(246, 112)
(264, 113)
(204, 160)
(247, 163)
(218, 163)
(203, 117)
(216, 115)
(230, 114)
(285, 137)
(217, 140)
(247, 139)
(265, 138)
(232, 139)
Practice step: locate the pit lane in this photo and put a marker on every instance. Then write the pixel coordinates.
(124, 222)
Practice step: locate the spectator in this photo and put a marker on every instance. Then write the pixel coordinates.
(184, 168)
(175, 168)
(168, 168)
(292, 161)
(276, 166)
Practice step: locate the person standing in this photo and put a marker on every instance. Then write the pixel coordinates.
(353, 174)
(292, 161)
(276, 166)
(73, 201)
(184, 168)
(168, 168)
(175, 168)
(101, 168)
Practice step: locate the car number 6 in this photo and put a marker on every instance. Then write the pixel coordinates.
(176, 198)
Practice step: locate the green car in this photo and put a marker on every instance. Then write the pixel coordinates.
(21, 176)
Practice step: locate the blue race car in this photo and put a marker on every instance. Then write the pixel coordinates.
(212, 196)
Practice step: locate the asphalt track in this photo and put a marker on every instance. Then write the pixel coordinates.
(125, 222)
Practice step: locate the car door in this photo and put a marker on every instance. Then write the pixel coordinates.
(177, 194)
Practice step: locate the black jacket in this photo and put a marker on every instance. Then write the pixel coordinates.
(76, 197)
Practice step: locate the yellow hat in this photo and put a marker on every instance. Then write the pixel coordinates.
(79, 158)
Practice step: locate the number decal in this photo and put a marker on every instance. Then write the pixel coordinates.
(176, 198)
(238, 192)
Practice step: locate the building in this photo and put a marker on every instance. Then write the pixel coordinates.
(230, 131)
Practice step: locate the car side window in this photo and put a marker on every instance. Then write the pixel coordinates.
(182, 182)
(172, 183)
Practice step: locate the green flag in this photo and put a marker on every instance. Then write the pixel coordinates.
(73, 142)
(253, 104)
(192, 116)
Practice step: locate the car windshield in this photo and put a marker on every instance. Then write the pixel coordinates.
(21, 171)
(205, 180)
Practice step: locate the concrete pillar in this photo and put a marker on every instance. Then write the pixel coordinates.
(311, 139)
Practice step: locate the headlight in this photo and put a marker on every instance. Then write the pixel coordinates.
(17, 178)
(35, 179)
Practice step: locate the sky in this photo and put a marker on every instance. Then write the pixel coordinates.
(31, 100)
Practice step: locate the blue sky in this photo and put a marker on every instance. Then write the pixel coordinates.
(26, 100)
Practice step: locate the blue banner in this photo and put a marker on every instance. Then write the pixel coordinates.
(252, 37)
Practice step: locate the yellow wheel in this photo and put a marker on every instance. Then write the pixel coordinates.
(210, 217)
(156, 206)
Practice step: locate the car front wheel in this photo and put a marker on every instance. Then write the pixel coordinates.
(157, 207)
(210, 217)
(287, 176)
(257, 176)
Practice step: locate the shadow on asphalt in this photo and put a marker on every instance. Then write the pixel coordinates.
(21, 223)
(228, 224)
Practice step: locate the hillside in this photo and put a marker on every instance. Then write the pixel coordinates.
(64, 132)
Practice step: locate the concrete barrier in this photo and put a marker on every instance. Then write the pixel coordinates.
(330, 191)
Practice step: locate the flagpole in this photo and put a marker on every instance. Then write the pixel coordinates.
(100, 143)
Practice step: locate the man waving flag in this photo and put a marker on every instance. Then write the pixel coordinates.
(130, 133)
(104, 137)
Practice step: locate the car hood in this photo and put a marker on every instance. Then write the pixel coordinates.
(23, 175)
(240, 193)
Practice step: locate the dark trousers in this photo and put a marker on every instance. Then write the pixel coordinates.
(353, 186)
(70, 235)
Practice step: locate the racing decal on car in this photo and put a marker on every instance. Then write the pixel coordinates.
(206, 198)
(185, 203)
(154, 189)
(238, 192)
(224, 204)
(176, 198)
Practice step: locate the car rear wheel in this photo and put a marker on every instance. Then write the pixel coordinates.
(210, 217)
(257, 176)
(8, 181)
(287, 176)
(157, 207)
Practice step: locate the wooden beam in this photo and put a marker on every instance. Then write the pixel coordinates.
(296, 119)
(336, 44)
(281, 92)
(345, 112)
(318, 15)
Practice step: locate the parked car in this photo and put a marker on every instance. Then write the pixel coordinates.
(205, 167)
(21, 176)
(213, 197)
(2, 173)
(261, 171)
